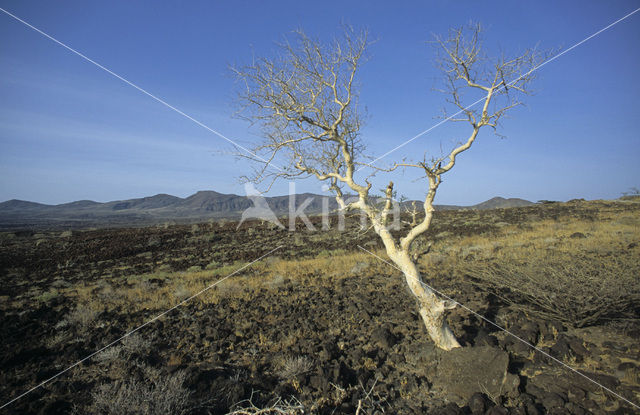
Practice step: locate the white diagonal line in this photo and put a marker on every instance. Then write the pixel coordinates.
(206, 127)
(137, 328)
(499, 89)
(503, 329)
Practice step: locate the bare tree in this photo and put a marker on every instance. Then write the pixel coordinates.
(306, 101)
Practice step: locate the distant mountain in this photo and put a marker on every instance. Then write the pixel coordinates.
(501, 202)
(203, 205)
(78, 204)
(20, 205)
(150, 202)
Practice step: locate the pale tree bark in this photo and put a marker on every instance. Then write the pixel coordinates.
(306, 101)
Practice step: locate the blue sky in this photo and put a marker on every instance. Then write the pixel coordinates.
(70, 131)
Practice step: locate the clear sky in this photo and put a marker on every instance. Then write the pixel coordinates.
(70, 131)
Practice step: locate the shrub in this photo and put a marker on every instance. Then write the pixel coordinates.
(48, 295)
(276, 407)
(135, 343)
(82, 317)
(157, 395)
(108, 355)
(60, 338)
(577, 291)
(292, 367)
(212, 265)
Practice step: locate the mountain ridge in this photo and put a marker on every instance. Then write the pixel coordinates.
(202, 205)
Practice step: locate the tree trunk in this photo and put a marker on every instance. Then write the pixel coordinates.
(432, 309)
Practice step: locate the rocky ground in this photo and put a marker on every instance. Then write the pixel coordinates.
(323, 328)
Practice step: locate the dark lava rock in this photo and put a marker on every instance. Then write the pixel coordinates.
(57, 407)
(383, 338)
(319, 382)
(615, 346)
(561, 349)
(576, 346)
(532, 409)
(529, 403)
(534, 390)
(528, 332)
(607, 381)
(575, 393)
(464, 371)
(397, 358)
(450, 409)
(552, 400)
(498, 410)
(516, 346)
(550, 329)
(484, 339)
(590, 405)
(575, 409)
(569, 388)
(568, 346)
(343, 374)
(329, 351)
(626, 365)
(477, 403)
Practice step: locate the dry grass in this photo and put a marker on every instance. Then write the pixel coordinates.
(601, 238)
(573, 271)
(162, 290)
